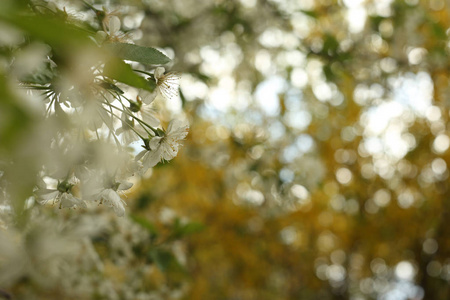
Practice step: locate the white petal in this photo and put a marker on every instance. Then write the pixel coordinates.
(100, 36)
(170, 150)
(93, 194)
(47, 195)
(179, 135)
(119, 209)
(114, 25)
(68, 200)
(159, 72)
(173, 125)
(129, 136)
(40, 183)
(155, 142)
(178, 129)
(140, 155)
(152, 159)
(148, 117)
(146, 97)
(124, 185)
(113, 199)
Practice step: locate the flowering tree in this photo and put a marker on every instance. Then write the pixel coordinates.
(79, 99)
(316, 166)
(92, 105)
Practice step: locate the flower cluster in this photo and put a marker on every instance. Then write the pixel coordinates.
(122, 121)
(163, 146)
(79, 101)
(96, 108)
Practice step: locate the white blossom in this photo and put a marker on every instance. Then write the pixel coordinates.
(62, 195)
(146, 112)
(167, 84)
(112, 199)
(109, 196)
(111, 30)
(164, 147)
(126, 130)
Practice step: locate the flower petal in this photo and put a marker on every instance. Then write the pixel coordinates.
(155, 142)
(140, 155)
(114, 25)
(68, 200)
(47, 194)
(159, 71)
(112, 199)
(124, 185)
(151, 159)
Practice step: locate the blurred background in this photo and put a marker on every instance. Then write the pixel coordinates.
(317, 159)
(316, 166)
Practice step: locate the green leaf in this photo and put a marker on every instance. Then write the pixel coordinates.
(145, 224)
(328, 71)
(163, 259)
(330, 44)
(14, 119)
(180, 230)
(310, 13)
(120, 71)
(112, 87)
(145, 55)
(54, 31)
(438, 30)
(144, 200)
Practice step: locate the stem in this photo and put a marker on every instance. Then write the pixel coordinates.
(50, 106)
(34, 6)
(96, 131)
(128, 113)
(111, 129)
(143, 72)
(90, 6)
(131, 127)
(36, 87)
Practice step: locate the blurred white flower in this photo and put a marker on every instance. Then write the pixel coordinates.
(48, 253)
(65, 199)
(143, 110)
(165, 146)
(146, 112)
(109, 196)
(62, 195)
(167, 84)
(111, 30)
(126, 130)
(68, 201)
(113, 26)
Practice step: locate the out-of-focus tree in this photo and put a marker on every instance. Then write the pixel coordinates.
(319, 148)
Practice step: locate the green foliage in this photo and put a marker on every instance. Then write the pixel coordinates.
(52, 30)
(145, 223)
(144, 55)
(118, 70)
(14, 118)
(179, 229)
(163, 259)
